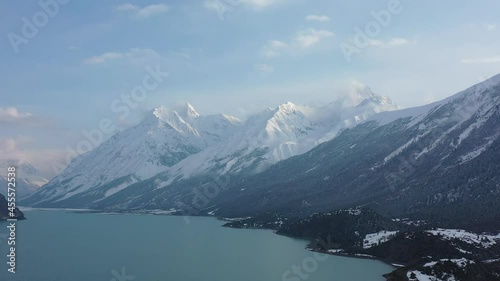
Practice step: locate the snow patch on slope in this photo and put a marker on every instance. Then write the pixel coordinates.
(374, 239)
(481, 240)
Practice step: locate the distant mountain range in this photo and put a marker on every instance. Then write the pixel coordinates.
(28, 179)
(171, 146)
(438, 161)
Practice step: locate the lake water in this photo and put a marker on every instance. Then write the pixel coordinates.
(65, 246)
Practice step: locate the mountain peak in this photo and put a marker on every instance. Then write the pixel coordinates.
(357, 93)
(190, 112)
(362, 95)
(161, 112)
(173, 119)
(366, 93)
(287, 107)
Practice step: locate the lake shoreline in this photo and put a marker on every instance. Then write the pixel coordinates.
(345, 255)
(170, 213)
(177, 241)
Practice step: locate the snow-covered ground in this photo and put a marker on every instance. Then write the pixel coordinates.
(410, 222)
(415, 275)
(463, 262)
(420, 276)
(351, 211)
(478, 150)
(334, 251)
(491, 261)
(481, 240)
(375, 239)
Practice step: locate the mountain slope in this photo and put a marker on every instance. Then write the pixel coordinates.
(171, 147)
(163, 139)
(279, 133)
(439, 162)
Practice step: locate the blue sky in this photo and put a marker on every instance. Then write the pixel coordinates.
(232, 56)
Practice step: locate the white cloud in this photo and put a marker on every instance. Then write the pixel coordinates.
(310, 37)
(11, 113)
(264, 68)
(259, 3)
(135, 54)
(10, 147)
(102, 58)
(221, 7)
(320, 18)
(274, 48)
(490, 26)
(394, 42)
(224, 5)
(486, 26)
(18, 148)
(13, 117)
(303, 39)
(127, 7)
(137, 12)
(493, 59)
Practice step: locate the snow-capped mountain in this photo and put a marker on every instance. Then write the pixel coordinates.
(438, 161)
(181, 144)
(279, 133)
(161, 140)
(28, 179)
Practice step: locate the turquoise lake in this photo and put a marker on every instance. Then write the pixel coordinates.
(66, 246)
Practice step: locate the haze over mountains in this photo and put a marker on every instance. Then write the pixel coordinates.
(433, 160)
(28, 179)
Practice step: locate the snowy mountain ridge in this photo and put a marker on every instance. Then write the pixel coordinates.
(183, 143)
(279, 133)
(172, 152)
(162, 139)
